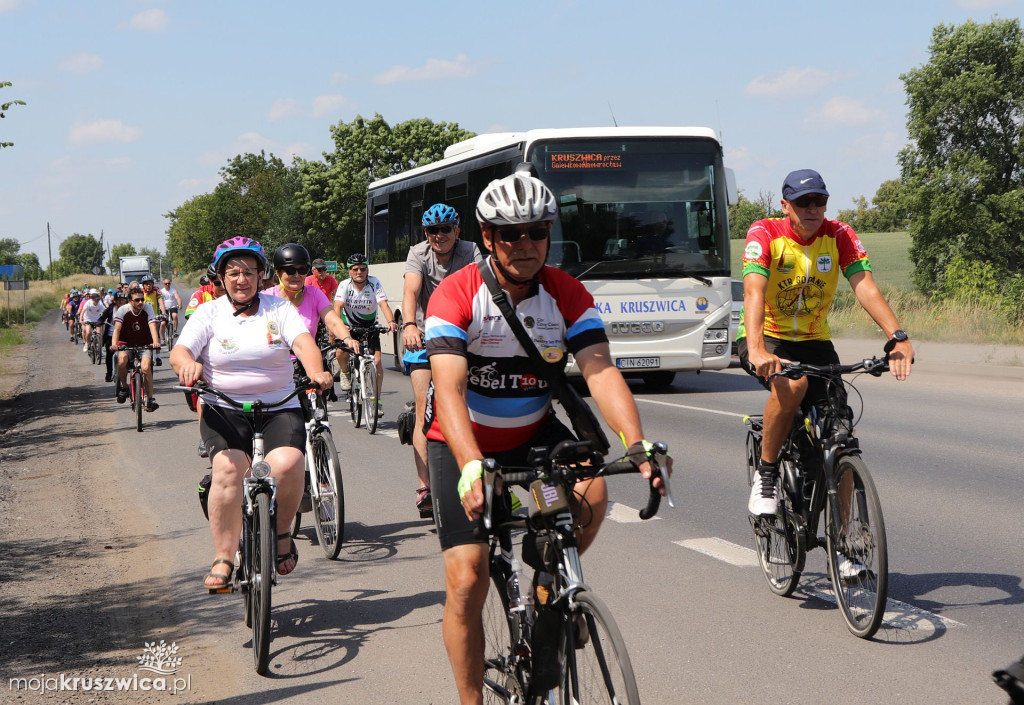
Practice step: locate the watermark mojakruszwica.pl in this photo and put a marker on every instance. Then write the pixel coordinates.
(158, 659)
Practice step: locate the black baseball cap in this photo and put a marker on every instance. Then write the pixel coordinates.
(319, 264)
(802, 182)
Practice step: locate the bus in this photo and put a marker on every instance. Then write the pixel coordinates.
(643, 224)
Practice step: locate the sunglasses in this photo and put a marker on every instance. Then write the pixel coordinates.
(515, 235)
(435, 229)
(137, 301)
(295, 270)
(167, 283)
(806, 201)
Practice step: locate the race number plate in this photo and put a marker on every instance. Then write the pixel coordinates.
(635, 363)
(550, 498)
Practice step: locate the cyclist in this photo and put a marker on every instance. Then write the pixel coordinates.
(71, 308)
(212, 289)
(291, 263)
(487, 401)
(153, 299)
(170, 302)
(108, 298)
(791, 268)
(107, 321)
(322, 280)
(244, 340)
(89, 313)
(357, 301)
(135, 325)
(440, 254)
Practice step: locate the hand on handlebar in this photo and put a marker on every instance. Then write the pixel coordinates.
(412, 338)
(325, 380)
(190, 372)
(352, 345)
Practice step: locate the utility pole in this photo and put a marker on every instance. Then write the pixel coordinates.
(49, 250)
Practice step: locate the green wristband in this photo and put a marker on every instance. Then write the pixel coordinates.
(471, 472)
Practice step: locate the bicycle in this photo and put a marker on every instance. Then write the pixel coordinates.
(76, 330)
(167, 332)
(570, 649)
(323, 476)
(136, 381)
(362, 397)
(821, 472)
(257, 551)
(96, 344)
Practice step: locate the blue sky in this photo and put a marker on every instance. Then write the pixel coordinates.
(134, 105)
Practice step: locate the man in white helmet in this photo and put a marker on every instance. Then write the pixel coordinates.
(488, 401)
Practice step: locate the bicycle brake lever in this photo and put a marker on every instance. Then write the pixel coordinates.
(490, 471)
(654, 498)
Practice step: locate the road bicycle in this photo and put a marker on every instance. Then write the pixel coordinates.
(136, 380)
(362, 372)
(323, 476)
(821, 472)
(257, 550)
(569, 649)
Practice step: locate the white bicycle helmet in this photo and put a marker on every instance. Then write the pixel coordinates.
(516, 199)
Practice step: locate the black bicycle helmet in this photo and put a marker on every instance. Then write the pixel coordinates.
(211, 273)
(291, 254)
(358, 258)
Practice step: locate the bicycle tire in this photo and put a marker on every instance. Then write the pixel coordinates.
(861, 598)
(355, 402)
(136, 391)
(501, 682)
(599, 670)
(329, 500)
(781, 553)
(262, 562)
(369, 392)
(99, 349)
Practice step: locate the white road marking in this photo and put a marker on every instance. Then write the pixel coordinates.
(898, 615)
(691, 408)
(625, 515)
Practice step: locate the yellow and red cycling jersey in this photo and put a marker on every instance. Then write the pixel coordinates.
(200, 297)
(802, 276)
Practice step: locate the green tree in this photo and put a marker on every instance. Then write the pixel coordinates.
(117, 252)
(79, 253)
(891, 210)
(30, 261)
(4, 107)
(9, 248)
(963, 175)
(745, 212)
(333, 195)
(191, 237)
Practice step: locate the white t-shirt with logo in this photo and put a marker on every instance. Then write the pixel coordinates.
(246, 357)
(360, 307)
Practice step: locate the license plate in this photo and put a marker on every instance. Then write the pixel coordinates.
(633, 363)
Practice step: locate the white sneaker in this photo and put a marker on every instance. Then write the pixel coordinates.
(345, 383)
(85, 348)
(762, 494)
(850, 570)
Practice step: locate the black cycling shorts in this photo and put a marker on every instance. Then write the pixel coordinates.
(223, 428)
(373, 341)
(453, 526)
(811, 352)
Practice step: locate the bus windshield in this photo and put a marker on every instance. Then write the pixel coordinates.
(638, 208)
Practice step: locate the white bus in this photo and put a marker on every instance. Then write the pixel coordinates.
(643, 223)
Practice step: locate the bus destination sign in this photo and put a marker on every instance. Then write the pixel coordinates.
(584, 160)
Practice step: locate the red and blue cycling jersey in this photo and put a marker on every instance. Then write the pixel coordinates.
(508, 402)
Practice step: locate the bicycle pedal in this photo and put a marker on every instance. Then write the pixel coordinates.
(226, 590)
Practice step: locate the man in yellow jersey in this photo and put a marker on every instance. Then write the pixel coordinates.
(152, 295)
(791, 268)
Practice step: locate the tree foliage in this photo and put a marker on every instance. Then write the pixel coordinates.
(4, 107)
(191, 236)
(746, 212)
(79, 253)
(333, 195)
(117, 252)
(963, 174)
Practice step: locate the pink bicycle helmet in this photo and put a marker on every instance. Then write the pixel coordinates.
(239, 245)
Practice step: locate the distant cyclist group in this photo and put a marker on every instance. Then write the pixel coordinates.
(258, 323)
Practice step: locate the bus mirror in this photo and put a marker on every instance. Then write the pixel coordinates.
(730, 187)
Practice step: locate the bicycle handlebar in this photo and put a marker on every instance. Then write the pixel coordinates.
(302, 384)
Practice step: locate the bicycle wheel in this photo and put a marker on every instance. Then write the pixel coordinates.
(781, 552)
(137, 401)
(857, 553)
(598, 670)
(355, 401)
(262, 562)
(369, 392)
(329, 499)
(501, 682)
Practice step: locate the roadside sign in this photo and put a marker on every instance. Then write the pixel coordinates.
(12, 272)
(332, 265)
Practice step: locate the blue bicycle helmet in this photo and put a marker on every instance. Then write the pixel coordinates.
(440, 213)
(238, 245)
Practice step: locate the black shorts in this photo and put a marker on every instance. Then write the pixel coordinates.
(372, 342)
(223, 428)
(812, 352)
(453, 526)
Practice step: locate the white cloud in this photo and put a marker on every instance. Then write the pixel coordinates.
(321, 105)
(85, 133)
(283, 108)
(791, 82)
(85, 62)
(433, 70)
(253, 142)
(340, 77)
(841, 111)
(154, 20)
(7, 5)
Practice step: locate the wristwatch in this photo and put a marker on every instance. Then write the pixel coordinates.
(899, 335)
(408, 323)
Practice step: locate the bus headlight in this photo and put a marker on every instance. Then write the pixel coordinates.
(716, 341)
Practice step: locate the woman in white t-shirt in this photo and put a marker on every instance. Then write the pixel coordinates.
(244, 340)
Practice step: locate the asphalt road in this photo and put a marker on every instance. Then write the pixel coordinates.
(700, 623)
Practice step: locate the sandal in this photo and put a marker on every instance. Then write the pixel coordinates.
(293, 552)
(225, 580)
